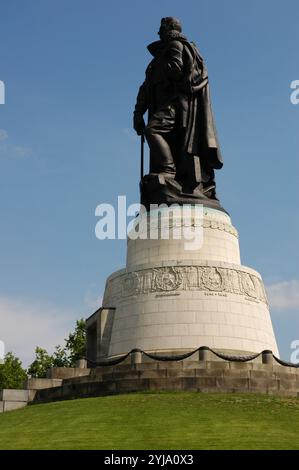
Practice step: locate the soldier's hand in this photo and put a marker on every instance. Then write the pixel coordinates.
(138, 123)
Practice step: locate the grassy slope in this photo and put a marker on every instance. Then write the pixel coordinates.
(164, 420)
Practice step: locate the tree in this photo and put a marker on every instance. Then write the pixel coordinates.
(12, 374)
(41, 363)
(75, 348)
(60, 357)
(76, 342)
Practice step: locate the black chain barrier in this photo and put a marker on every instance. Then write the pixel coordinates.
(235, 358)
(181, 357)
(285, 363)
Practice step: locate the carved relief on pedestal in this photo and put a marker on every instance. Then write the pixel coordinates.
(248, 285)
(190, 277)
(232, 281)
(131, 284)
(212, 279)
(156, 225)
(184, 278)
(167, 279)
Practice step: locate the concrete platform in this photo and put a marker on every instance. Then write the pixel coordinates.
(261, 375)
(11, 399)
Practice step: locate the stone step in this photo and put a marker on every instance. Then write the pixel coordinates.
(66, 372)
(14, 405)
(14, 395)
(188, 380)
(37, 383)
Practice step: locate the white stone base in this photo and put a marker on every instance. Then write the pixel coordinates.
(170, 299)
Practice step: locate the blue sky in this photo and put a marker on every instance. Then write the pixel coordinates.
(72, 69)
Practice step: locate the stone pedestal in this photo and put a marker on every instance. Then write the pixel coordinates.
(170, 299)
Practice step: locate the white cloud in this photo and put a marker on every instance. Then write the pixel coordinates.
(14, 151)
(2, 350)
(284, 295)
(26, 324)
(92, 298)
(10, 151)
(3, 134)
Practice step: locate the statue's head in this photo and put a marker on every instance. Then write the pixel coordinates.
(169, 24)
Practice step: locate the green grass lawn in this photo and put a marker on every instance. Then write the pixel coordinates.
(167, 420)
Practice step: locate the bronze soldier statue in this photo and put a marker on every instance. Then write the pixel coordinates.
(180, 132)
